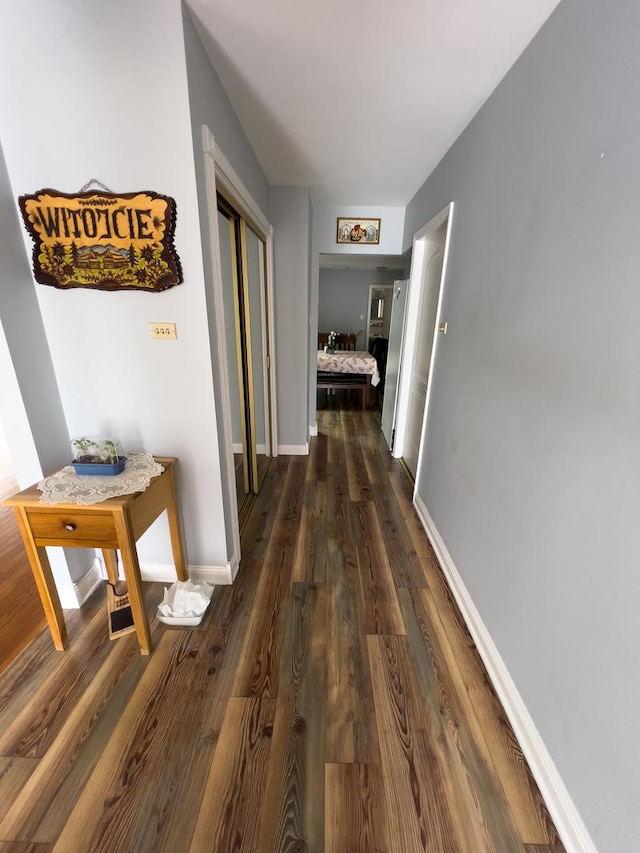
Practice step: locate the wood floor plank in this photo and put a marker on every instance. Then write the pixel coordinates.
(32, 719)
(21, 613)
(418, 811)
(525, 801)
(351, 726)
(293, 809)
(482, 812)
(418, 538)
(357, 475)
(134, 755)
(23, 678)
(355, 816)
(310, 560)
(404, 563)
(364, 719)
(199, 730)
(376, 455)
(14, 773)
(382, 611)
(338, 500)
(233, 796)
(48, 797)
(256, 533)
(317, 467)
(544, 848)
(259, 665)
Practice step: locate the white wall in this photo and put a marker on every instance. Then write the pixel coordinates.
(86, 94)
(532, 461)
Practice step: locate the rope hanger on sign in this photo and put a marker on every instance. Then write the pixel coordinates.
(97, 183)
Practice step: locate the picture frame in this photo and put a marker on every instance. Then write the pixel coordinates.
(103, 240)
(358, 231)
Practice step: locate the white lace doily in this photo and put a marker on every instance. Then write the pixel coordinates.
(65, 486)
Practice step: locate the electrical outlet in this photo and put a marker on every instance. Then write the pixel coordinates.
(163, 331)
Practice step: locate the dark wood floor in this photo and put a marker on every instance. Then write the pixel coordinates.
(21, 614)
(331, 701)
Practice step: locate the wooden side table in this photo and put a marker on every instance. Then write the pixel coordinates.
(112, 525)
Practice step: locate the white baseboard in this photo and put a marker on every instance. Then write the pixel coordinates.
(166, 573)
(261, 449)
(234, 565)
(74, 596)
(293, 449)
(568, 822)
(313, 429)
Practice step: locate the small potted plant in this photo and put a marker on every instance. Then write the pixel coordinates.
(97, 455)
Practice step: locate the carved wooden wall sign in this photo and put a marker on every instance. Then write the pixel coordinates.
(102, 240)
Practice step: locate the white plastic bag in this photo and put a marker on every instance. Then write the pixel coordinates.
(184, 603)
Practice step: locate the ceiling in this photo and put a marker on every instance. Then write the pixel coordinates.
(359, 102)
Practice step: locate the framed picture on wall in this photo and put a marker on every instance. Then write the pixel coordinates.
(358, 230)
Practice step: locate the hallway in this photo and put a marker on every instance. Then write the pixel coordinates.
(332, 699)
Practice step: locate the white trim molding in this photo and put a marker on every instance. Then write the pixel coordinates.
(313, 429)
(166, 573)
(566, 817)
(74, 596)
(293, 449)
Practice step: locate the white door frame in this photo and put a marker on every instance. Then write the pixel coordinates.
(419, 261)
(220, 174)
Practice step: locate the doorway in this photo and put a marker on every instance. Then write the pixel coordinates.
(378, 312)
(243, 263)
(392, 378)
(430, 250)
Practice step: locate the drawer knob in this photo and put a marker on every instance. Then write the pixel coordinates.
(70, 527)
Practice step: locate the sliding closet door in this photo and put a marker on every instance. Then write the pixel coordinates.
(227, 228)
(243, 273)
(255, 311)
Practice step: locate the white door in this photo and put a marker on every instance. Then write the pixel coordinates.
(427, 316)
(396, 332)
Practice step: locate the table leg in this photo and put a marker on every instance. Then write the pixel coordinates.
(45, 583)
(127, 546)
(111, 565)
(175, 530)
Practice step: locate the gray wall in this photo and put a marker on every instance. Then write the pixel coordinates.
(290, 213)
(24, 331)
(531, 470)
(343, 295)
(27, 348)
(113, 378)
(209, 105)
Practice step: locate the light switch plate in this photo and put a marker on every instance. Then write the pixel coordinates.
(163, 331)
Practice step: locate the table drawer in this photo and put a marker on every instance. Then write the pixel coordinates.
(72, 526)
